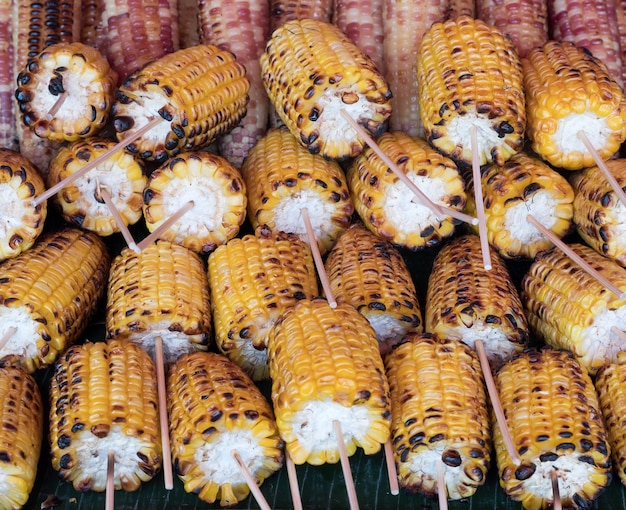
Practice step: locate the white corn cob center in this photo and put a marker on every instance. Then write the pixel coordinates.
(541, 206)
(144, 108)
(23, 343)
(599, 344)
(497, 345)
(12, 212)
(175, 343)
(595, 128)
(386, 326)
(459, 129)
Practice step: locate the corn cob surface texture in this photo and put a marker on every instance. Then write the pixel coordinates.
(215, 409)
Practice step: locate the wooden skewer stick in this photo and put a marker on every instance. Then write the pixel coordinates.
(602, 166)
(438, 209)
(575, 257)
(615, 330)
(92, 164)
(117, 217)
(7, 336)
(442, 491)
(293, 482)
(254, 488)
(57, 105)
(158, 232)
(317, 258)
(495, 401)
(163, 418)
(391, 469)
(480, 205)
(345, 467)
(110, 484)
(556, 503)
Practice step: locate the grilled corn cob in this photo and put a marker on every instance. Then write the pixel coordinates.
(8, 135)
(439, 415)
(21, 434)
(200, 92)
(470, 76)
(567, 91)
(253, 280)
(282, 177)
(466, 302)
(162, 291)
(570, 309)
(389, 208)
(213, 185)
(216, 409)
(312, 71)
(103, 397)
(523, 185)
(370, 274)
(49, 293)
(325, 366)
(553, 415)
(20, 222)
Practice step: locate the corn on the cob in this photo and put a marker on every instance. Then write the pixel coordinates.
(20, 222)
(553, 415)
(570, 309)
(282, 177)
(620, 9)
(362, 22)
(253, 280)
(523, 185)
(325, 366)
(200, 92)
(567, 91)
(386, 204)
(312, 71)
(470, 76)
(217, 191)
(21, 434)
(8, 135)
(103, 397)
(466, 302)
(92, 30)
(282, 11)
(439, 415)
(370, 274)
(50, 293)
(162, 291)
(215, 409)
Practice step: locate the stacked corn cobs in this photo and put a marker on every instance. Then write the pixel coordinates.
(53, 284)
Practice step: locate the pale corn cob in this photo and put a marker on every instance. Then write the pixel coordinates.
(21, 434)
(523, 185)
(162, 291)
(188, 29)
(8, 136)
(467, 302)
(388, 207)
(215, 409)
(21, 223)
(470, 76)
(282, 177)
(457, 8)
(325, 366)
(103, 398)
(282, 11)
(200, 92)
(567, 91)
(569, 309)
(213, 185)
(439, 415)
(49, 293)
(253, 280)
(553, 416)
(312, 71)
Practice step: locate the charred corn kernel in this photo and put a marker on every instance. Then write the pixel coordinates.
(200, 92)
(21, 223)
(570, 309)
(568, 91)
(21, 434)
(312, 71)
(599, 214)
(325, 367)
(523, 185)
(466, 302)
(389, 208)
(370, 274)
(253, 280)
(470, 77)
(122, 175)
(162, 291)
(214, 187)
(553, 415)
(282, 177)
(282, 11)
(215, 409)
(49, 293)
(8, 107)
(103, 397)
(439, 415)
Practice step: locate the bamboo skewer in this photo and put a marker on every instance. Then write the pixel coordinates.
(556, 503)
(480, 205)
(163, 227)
(110, 483)
(317, 258)
(254, 488)
(619, 333)
(293, 482)
(163, 418)
(100, 190)
(7, 336)
(392, 473)
(442, 492)
(345, 467)
(57, 105)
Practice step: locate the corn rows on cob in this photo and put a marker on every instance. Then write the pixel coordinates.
(8, 135)
(553, 415)
(439, 415)
(92, 32)
(282, 11)
(215, 409)
(457, 8)
(188, 27)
